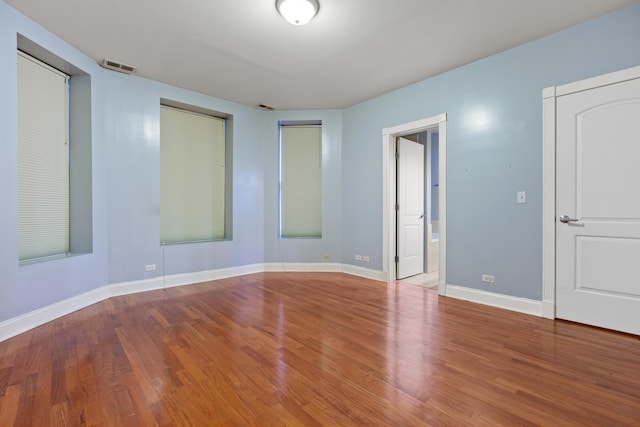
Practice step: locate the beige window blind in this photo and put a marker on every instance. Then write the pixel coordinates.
(43, 159)
(192, 176)
(301, 181)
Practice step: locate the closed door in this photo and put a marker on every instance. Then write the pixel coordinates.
(598, 206)
(410, 213)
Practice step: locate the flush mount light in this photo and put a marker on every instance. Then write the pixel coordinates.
(298, 12)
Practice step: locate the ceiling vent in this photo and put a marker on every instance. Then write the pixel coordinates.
(265, 107)
(116, 66)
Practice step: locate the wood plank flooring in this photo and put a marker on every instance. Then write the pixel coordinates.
(314, 349)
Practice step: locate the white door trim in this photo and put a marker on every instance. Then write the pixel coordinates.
(549, 96)
(389, 192)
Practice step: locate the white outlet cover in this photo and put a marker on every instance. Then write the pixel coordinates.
(487, 278)
(521, 197)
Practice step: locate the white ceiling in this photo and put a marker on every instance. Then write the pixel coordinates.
(244, 51)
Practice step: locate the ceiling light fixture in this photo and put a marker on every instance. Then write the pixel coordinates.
(298, 12)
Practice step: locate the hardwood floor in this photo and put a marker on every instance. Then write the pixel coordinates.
(314, 349)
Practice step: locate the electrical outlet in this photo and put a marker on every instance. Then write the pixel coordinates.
(488, 278)
(521, 197)
(149, 267)
(365, 258)
(358, 257)
(326, 257)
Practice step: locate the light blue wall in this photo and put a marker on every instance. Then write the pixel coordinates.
(494, 149)
(125, 188)
(132, 136)
(305, 250)
(487, 231)
(29, 287)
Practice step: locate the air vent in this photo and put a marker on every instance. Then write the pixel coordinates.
(116, 66)
(265, 107)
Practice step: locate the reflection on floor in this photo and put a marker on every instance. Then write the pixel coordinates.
(428, 280)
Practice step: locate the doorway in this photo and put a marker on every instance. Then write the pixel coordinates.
(436, 124)
(418, 226)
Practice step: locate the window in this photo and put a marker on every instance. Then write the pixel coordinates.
(301, 180)
(193, 176)
(55, 180)
(43, 160)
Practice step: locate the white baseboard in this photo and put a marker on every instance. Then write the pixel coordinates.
(127, 288)
(27, 321)
(208, 275)
(174, 280)
(367, 273)
(17, 325)
(521, 305)
(324, 267)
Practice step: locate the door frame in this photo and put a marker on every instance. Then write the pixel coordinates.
(549, 96)
(389, 225)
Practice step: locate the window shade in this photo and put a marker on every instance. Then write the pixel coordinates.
(192, 176)
(43, 159)
(301, 181)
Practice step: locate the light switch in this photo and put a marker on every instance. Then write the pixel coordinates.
(521, 197)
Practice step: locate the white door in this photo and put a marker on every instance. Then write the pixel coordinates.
(598, 206)
(410, 200)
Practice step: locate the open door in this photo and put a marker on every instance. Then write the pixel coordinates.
(410, 208)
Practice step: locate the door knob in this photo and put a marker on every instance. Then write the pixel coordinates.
(566, 218)
(421, 216)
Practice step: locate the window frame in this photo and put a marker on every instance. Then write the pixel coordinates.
(311, 205)
(43, 159)
(80, 154)
(227, 139)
